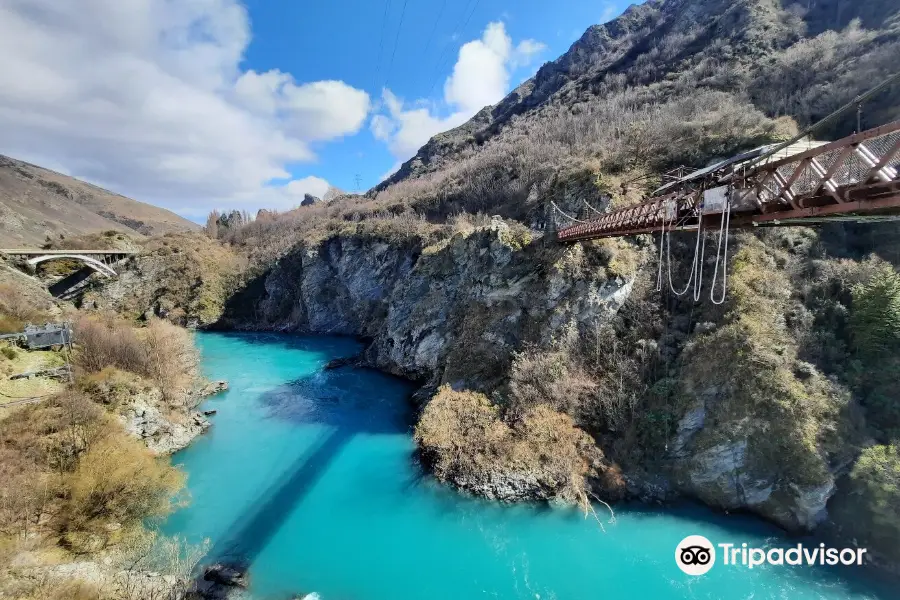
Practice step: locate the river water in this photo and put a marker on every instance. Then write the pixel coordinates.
(309, 476)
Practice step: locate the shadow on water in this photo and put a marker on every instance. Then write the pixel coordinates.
(346, 405)
(249, 534)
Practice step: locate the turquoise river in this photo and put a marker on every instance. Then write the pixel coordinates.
(310, 476)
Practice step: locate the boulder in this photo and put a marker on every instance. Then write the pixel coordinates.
(212, 388)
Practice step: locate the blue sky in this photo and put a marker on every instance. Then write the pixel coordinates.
(201, 104)
(340, 40)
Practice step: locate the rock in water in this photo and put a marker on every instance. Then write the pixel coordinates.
(212, 388)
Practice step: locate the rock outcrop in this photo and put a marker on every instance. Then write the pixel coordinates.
(451, 313)
(162, 433)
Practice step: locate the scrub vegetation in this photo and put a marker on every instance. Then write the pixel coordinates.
(74, 484)
(463, 435)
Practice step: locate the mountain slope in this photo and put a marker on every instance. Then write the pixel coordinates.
(632, 96)
(36, 203)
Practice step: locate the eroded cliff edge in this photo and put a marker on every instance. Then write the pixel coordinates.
(583, 329)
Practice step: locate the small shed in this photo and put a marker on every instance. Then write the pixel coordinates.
(51, 334)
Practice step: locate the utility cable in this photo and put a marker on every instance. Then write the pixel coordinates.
(443, 57)
(434, 28)
(387, 4)
(396, 40)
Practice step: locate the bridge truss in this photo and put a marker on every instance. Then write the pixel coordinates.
(854, 178)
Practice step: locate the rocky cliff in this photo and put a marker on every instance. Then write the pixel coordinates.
(465, 312)
(450, 313)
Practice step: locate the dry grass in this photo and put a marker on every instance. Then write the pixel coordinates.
(70, 473)
(25, 361)
(161, 352)
(18, 308)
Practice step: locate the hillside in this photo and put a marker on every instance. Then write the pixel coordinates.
(36, 203)
(668, 83)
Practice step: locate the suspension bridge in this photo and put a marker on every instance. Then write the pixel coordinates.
(803, 183)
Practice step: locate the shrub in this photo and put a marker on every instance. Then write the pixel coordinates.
(548, 378)
(161, 352)
(172, 359)
(751, 362)
(117, 481)
(112, 387)
(108, 341)
(68, 465)
(876, 476)
(9, 352)
(464, 437)
(875, 314)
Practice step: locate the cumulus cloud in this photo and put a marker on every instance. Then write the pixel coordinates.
(480, 77)
(308, 185)
(405, 129)
(147, 97)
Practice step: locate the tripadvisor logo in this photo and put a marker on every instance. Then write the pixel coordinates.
(696, 555)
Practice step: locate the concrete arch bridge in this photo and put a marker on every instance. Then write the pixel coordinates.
(100, 261)
(92, 261)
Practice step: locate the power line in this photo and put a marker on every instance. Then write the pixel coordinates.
(396, 40)
(444, 55)
(387, 4)
(434, 28)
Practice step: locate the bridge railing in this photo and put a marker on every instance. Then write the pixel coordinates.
(858, 174)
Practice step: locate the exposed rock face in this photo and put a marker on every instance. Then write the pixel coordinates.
(309, 200)
(163, 434)
(452, 314)
(341, 287)
(724, 475)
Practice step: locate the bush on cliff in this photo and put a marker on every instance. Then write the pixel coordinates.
(875, 334)
(160, 352)
(791, 416)
(470, 445)
(876, 479)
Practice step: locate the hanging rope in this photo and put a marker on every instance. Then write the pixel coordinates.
(724, 228)
(693, 265)
(586, 203)
(698, 282)
(570, 217)
(662, 238)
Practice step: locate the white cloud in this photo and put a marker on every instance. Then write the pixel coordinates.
(406, 129)
(147, 97)
(480, 77)
(308, 185)
(526, 51)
